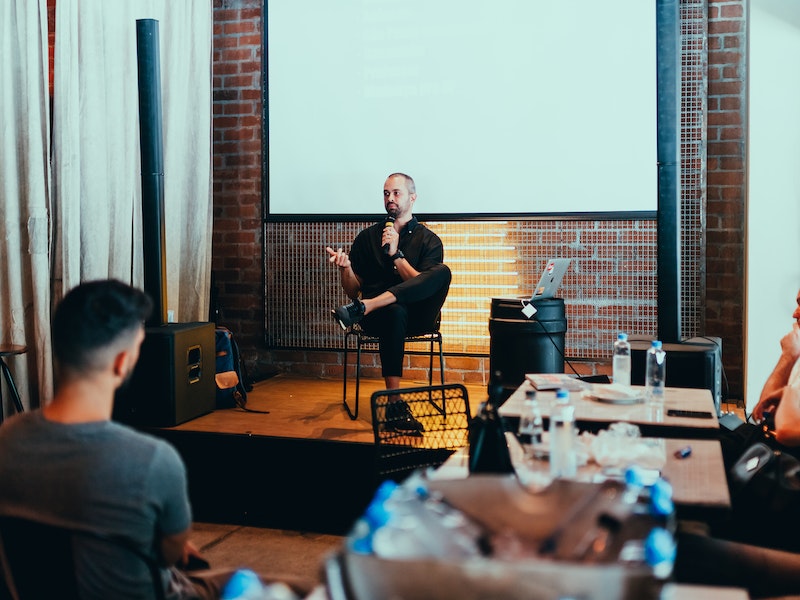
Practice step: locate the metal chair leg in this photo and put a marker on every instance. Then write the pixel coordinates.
(358, 374)
(11, 388)
(353, 414)
(441, 362)
(441, 370)
(436, 338)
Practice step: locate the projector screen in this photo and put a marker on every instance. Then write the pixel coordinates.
(501, 108)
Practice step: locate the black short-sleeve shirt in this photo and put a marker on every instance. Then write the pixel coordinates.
(422, 248)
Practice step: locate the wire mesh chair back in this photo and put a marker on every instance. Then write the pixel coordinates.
(443, 411)
(434, 336)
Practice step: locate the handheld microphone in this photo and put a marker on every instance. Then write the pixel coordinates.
(389, 223)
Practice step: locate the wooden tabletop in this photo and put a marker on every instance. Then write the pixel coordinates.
(682, 591)
(698, 481)
(655, 419)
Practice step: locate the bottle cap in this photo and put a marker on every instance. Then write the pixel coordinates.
(418, 484)
(385, 490)
(242, 582)
(376, 515)
(659, 547)
(661, 498)
(622, 337)
(656, 344)
(362, 545)
(634, 476)
(562, 394)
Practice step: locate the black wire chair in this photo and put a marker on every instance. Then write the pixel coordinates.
(443, 411)
(361, 339)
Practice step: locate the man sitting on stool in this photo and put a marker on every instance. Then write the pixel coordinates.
(398, 282)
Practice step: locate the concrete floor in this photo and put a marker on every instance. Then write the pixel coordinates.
(270, 552)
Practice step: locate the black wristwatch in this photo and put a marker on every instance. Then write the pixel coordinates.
(398, 254)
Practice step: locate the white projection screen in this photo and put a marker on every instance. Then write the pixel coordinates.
(497, 108)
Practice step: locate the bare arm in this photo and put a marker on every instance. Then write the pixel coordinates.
(173, 547)
(787, 415)
(350, 282)
(405, 269)
(773, 388)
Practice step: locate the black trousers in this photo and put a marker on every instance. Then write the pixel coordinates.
(419, 301)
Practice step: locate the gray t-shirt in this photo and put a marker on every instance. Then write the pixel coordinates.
(99, 475)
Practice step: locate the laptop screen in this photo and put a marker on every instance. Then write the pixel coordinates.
(551, 277)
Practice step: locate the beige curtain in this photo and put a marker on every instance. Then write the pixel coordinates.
(96, 164)
(24, 196)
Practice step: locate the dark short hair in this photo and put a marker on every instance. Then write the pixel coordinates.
(94, 316)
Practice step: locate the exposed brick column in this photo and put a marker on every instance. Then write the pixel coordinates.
(237, 261)
(725, 214)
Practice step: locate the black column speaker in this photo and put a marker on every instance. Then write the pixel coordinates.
(173, 381)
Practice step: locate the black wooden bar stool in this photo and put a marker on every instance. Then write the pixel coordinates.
(10, 350)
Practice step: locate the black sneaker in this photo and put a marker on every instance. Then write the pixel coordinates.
(349, 313)
(399, 418)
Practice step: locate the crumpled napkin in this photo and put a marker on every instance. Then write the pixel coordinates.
(621, 445)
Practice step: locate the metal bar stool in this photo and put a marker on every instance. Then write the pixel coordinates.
(10, 350)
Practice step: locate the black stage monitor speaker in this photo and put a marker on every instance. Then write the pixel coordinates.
(173, 381)
(693, 363)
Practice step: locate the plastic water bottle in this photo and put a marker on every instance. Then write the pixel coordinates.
(621, 365)
(397, 533)
(531, 428)
(408, 524)
(563, 459)
(655, 372)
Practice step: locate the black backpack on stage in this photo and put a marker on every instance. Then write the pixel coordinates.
(231, 384)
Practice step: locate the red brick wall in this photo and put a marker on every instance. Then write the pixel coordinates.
(237, 260)
(725, 215)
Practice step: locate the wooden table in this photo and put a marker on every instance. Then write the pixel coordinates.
(699, 483)
(683, 591)
(670, 591)
(654, 422)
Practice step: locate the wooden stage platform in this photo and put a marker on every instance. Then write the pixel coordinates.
(303, 408)
(304, 466)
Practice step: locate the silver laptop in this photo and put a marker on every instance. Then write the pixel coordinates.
(551, 278)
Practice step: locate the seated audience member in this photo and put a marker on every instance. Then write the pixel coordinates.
(398, 283)
(735, 442)
(68, 464)
(762, 571)
(787, 415)
(790, 352)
